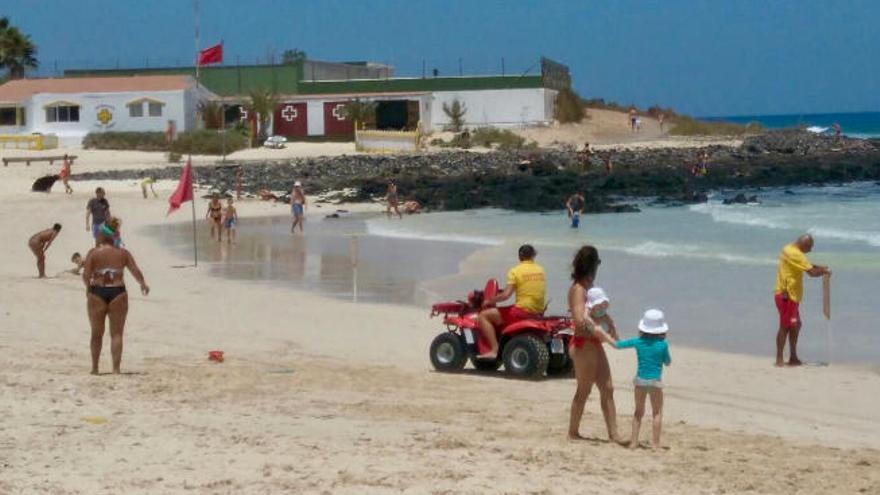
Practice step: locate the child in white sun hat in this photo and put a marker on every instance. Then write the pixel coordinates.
(653, 352)
(597, 307)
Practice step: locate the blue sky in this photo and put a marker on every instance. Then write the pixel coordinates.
(724, 57)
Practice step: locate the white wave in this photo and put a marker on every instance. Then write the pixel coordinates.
(817, 129)
(870, 238)
(381, 228)
(653, 249)
(737, 214)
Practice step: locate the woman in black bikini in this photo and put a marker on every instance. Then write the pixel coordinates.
(215, 216)
(105, 292)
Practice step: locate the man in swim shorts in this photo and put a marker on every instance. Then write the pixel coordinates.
(98, 209)
(575, 205)
(297, 206)
(789, 291)
(528, 282)
(39, 243)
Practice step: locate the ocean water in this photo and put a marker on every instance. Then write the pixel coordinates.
(711, 267)
(857, 124)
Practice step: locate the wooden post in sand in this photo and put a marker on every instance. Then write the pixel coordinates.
(826, 310)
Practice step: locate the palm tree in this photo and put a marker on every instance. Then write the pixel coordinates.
(261, 105)
(360, 112)
(455, 111)
(17, 52)
(212, 114)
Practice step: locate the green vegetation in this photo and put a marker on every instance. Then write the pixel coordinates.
(487, 137)
(456, 112)
(362, 113)
(17, 52)
(569, 107)
(203, 142)
(262, 103)
(688, 126)
(293, 57)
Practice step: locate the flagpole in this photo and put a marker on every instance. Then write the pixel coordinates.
(192, 188)
(196, 15)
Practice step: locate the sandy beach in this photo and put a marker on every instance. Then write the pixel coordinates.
(319, 395)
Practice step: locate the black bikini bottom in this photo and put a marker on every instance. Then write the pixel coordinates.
(108, 294)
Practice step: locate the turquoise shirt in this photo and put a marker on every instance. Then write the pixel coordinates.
(652, 353)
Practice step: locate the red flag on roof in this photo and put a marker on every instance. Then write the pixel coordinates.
(212, 55)
(184, 191)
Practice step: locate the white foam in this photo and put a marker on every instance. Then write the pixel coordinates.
(653, 249)
(383, 228)
(737, 214)
(870, 238)
(817, 129)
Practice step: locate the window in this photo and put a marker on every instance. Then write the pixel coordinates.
(62, 113)
(155, 109)
(136, 109)
(8, 117)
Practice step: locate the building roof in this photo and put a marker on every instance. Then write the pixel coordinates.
(20, 89)
(418, 84)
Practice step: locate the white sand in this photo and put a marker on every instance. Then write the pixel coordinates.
(325, 396)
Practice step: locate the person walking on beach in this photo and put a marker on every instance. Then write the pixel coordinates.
(214, 215)
(633, 118)
(39, 243)
(393, 200)
(148, 182)
(789, 291)
(653, 353)
(586, 351)
(575, 206)
(106, 295)
(98, 210)
(528, 282)
(65, 174)
(660, 118)
(297, 206)
(230, 220)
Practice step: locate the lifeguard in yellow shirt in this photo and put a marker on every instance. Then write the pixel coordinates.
(789, 291)
(527, 280)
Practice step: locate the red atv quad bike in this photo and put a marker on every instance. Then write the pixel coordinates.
(528, 348)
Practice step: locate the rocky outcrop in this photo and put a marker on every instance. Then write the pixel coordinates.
(542, 180)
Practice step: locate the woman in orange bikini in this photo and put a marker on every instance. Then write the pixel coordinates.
(105, 292)
(215, 216)
(590, 362)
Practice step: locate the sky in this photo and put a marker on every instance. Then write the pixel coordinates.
(702, 57)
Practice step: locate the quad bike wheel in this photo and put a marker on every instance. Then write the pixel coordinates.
(526, 356)
(484, 365)
(559, 365)
(447, 352)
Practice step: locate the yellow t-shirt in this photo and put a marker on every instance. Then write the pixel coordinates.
(528, 279)
(790, 275)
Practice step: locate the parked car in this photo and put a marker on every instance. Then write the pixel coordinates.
(275, 142)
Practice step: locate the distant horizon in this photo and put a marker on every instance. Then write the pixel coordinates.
(748, 57)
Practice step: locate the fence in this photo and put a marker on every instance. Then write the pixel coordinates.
(29, 141)
(387, 141)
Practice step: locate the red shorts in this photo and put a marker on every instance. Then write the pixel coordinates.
(789, 312)
(513, 314)
(578, 342)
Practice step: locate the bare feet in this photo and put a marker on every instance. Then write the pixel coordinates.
(633, 445)
(794, 362)
(780, 363)
(95, 372)
(576, 436)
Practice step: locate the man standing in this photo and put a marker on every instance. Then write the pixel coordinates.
(39, 243)
(527, 280)
(575, 205)
(789, 291)
(297, 206)
(98, 209)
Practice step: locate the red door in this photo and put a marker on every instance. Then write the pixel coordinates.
(336, 123)
(291, 120)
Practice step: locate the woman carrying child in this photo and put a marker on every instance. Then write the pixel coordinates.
(586, 351)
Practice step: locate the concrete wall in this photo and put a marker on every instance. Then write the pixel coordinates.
(496, 107)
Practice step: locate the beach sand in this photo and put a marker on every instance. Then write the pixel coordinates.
(319, 395)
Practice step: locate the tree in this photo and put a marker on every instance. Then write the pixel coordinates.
(212, 114)
(261, 106)
(17, 52)
(360, 112)
(569, 107)
(291, 57)
(455, 111)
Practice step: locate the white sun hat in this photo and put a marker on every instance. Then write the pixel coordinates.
(653, 322)
(297, 184)
(595, 297)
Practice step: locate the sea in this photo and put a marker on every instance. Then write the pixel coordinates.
(711, 267)
(857, 124)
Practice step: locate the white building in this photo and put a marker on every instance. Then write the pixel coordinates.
(73, 107)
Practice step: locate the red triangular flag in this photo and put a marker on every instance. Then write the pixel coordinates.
(184, 191)
(212, 55)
